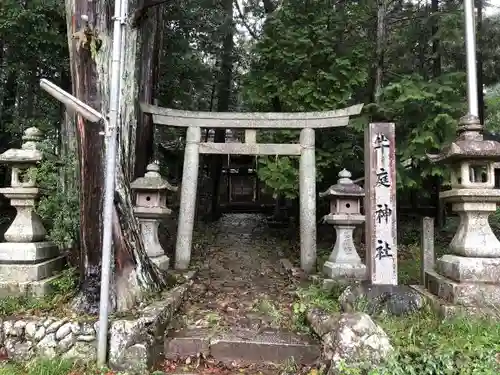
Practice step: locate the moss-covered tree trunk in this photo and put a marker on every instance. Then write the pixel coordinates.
(133, 273)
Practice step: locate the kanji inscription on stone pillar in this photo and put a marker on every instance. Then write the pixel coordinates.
(380, 204)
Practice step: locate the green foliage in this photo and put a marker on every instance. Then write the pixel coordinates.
(310, 297)
(280, 175)
(59, 203)
(426, 114)
(426, 344)
(308, 60)
(492, 112)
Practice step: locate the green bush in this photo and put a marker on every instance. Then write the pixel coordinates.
(59, 202)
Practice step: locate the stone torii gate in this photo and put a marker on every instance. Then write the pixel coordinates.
(307, 122)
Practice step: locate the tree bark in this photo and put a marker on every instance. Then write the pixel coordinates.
(223, 101)
(133, 272)
(379, 70)
(149, 73)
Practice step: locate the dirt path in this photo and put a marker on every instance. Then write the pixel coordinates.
(240, 283)
(238, 316)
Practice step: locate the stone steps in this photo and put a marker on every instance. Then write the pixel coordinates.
(447, 309)
(464, 294)
(242, 346)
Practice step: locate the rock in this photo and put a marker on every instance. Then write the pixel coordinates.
(20, 324)
(54, 326)
(18, 350)
(356, 339)
(63, 331)
(87, 329)
(10, 344)
(81, 350)
(86, 338)
(378, 299)
(322, 322)
(30, 329)
(124, 334)
(40, 333)
(48, 322)
(76, 329)
(47, 346)
(136, 359)
(10, 329)
(66, 343)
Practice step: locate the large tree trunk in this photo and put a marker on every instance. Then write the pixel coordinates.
(379, 70)
(223, 101)
(133, 271)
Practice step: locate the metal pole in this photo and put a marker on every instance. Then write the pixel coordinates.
(470, 49)
(111, 135)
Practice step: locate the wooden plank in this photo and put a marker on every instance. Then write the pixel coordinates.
(249, 149)
(251, 120)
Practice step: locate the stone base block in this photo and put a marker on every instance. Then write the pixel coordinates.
(448, 310)
(465, 269)
(19, 273)
(162, 262)
(341, 271)
(464, 294)
(12, 252)
(28, 288)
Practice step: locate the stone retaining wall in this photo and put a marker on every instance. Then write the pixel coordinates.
(132, 341)
(26, 337)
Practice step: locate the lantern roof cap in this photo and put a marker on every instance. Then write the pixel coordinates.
(469, 145)
(344, 187)
(152, 180)
(29, 153)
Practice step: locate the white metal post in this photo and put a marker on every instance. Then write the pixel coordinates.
(111, 145)
(470, 49)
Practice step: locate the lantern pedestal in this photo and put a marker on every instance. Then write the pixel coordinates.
(467, 279)
(28, 263)
(345, 214)
(344, 261)
(149, 220)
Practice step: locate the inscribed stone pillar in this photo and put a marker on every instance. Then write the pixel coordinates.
(28, 263)
(307, 186)
(380, 203)
(188, 199)
(427, 247)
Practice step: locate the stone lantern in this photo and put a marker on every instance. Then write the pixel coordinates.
(27, 262)
(468, 278)
(150, 208)
(345, 213)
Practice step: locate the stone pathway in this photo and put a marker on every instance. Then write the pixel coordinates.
(240, 308)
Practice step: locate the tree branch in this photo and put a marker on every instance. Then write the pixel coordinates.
(242, 17)
(141, 12)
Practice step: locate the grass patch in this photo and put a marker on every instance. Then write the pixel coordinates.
(310, 297)
(425, 344)
(269, 308)
(51, 367)
(63, 289)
